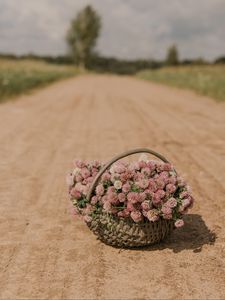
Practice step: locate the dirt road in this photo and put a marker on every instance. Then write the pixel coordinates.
(47, 254)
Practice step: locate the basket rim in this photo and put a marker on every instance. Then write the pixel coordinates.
(144, 221)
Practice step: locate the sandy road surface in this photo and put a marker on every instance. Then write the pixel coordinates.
(45, 253)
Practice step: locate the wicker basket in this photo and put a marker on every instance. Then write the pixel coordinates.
(125, 232)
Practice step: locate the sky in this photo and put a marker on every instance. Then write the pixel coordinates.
(130, 28)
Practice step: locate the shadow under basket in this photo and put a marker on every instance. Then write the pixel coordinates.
(125, 233)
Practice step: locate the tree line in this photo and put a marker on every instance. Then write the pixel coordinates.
(82, 37)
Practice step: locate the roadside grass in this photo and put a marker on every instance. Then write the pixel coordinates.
(20, 76)
(206, 80)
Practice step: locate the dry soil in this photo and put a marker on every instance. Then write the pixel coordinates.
(45, 253)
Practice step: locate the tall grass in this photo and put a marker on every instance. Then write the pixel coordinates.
(20, 76)
(206, 80)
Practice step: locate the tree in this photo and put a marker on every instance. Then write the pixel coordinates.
(82, 35)
(220, 60)
(172, 58)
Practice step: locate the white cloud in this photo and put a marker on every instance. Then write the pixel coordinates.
(131, 28)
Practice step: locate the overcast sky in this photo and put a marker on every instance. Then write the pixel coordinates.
(131, 28)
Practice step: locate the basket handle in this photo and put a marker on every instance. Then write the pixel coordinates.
(124, 154)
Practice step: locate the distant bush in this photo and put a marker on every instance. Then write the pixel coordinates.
(120, 66)
(197, 61)
(220, 60)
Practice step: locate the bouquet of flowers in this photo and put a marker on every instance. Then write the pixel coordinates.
(140, 191)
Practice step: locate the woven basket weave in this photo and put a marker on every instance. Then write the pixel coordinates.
(126, 233)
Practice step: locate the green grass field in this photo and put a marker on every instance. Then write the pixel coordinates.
(206, 80)
(20, 76)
